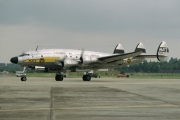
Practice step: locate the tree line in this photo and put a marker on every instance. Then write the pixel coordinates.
(173, 65)
(10, 67)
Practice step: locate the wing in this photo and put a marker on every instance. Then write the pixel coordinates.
(117, 57)
(112, 59)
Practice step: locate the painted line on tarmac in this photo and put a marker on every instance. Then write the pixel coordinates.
(93, 107)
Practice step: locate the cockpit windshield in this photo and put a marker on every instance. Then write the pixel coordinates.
(23, 54)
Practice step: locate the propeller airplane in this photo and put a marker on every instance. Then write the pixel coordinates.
(60, 60)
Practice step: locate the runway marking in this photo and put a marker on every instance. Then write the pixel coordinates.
(93, 107)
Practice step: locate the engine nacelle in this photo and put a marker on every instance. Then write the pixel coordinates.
(70, 62)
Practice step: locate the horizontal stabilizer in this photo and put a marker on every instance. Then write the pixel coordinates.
(162, 53)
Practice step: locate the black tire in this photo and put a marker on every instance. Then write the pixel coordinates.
(86, 78)
(23, 78)
(59, 78)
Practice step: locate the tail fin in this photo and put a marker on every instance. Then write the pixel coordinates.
(119, 49)
(140, 48)
(162, 52)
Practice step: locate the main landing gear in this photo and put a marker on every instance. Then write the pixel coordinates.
(86, 77)
(59, 77)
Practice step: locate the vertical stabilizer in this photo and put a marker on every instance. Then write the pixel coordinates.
(119, 49)
(162, 52)
(140, 48)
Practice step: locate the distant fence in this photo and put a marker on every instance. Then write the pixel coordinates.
(154, 73)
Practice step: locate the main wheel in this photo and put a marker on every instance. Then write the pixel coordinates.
(23, 78)
(86, 77)
(59, 78)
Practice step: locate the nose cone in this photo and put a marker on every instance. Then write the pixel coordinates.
(14, 60)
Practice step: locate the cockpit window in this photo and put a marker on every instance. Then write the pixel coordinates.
(23, 54)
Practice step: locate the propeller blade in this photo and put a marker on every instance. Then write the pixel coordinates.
(81, 57)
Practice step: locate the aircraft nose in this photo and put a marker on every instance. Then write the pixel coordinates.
(14, 60)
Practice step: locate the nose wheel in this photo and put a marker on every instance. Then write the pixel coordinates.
(23, 78)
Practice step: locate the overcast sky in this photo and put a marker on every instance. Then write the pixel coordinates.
(96, 25)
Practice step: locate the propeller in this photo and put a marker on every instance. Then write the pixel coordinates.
(60, 62)
(81, 57)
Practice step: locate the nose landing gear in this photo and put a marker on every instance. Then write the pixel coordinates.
(23, 78)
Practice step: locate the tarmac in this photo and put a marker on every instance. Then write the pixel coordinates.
(99, 99)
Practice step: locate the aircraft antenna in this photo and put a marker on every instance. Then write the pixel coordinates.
(36, 48)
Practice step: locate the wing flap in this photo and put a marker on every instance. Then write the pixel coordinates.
(118, 57)
(148, 56)
(145, 56)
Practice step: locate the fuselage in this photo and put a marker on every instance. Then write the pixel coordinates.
(66, 58)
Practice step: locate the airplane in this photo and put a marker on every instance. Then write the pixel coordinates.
(61, 60)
